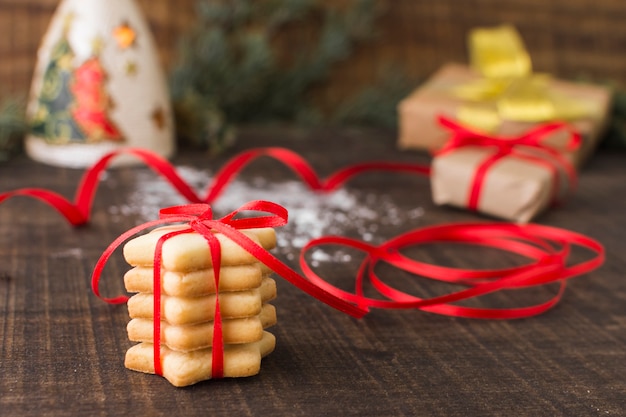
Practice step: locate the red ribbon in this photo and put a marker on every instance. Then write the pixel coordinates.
(77, 212)
(528, 146)
(547, 248)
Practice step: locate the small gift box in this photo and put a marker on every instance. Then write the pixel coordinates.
(499, 94)
(513, 178)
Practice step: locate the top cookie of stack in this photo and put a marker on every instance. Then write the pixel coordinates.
(190, 252)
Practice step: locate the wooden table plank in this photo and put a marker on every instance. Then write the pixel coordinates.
(61, 348)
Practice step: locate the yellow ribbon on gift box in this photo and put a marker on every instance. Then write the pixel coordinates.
(508, 88)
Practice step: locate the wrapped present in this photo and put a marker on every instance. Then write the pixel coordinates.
(500, 95)
(513, 178)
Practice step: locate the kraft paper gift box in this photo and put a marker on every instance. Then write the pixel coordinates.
(419, 128)
(515, 185)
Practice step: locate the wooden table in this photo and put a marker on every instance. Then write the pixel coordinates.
(62, 349)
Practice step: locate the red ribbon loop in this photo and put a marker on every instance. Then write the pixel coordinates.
(199, 210)
(548, 250)
(529, 146)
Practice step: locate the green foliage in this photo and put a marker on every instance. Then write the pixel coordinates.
(201, 124)
(615, 136)
(12, 128)
(257, 60)
(376, 105)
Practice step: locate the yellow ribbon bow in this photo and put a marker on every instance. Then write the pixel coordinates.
(508, 89)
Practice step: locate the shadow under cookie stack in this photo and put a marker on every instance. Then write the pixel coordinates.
(188, 298)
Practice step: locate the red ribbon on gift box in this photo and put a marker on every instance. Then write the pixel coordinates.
(529, 146)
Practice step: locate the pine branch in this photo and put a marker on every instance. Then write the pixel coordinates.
(12, 128)
(230, 64)
(376, 105)
(615, 136)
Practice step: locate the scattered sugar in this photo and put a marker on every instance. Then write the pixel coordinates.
(76, 253)
(311, 214)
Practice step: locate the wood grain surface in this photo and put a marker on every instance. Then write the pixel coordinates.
(62, 349)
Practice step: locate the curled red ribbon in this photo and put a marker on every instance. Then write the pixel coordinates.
(533, 141)
(77, 212)
(548, 248)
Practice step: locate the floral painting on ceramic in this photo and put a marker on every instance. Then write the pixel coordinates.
(98, 85)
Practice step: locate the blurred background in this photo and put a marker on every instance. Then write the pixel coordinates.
(363, 56)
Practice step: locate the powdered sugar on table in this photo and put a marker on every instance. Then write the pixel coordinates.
(311, 214)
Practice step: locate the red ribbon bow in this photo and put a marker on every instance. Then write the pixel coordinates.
(529, 146)
(199, 219)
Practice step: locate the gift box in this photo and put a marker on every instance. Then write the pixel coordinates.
(513, 178)
(499, 94)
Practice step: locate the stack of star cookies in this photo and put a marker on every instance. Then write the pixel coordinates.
(188, 298)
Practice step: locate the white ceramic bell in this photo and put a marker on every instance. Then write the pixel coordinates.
(98, 85)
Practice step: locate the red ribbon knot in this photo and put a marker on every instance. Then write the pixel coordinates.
(529, 146)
